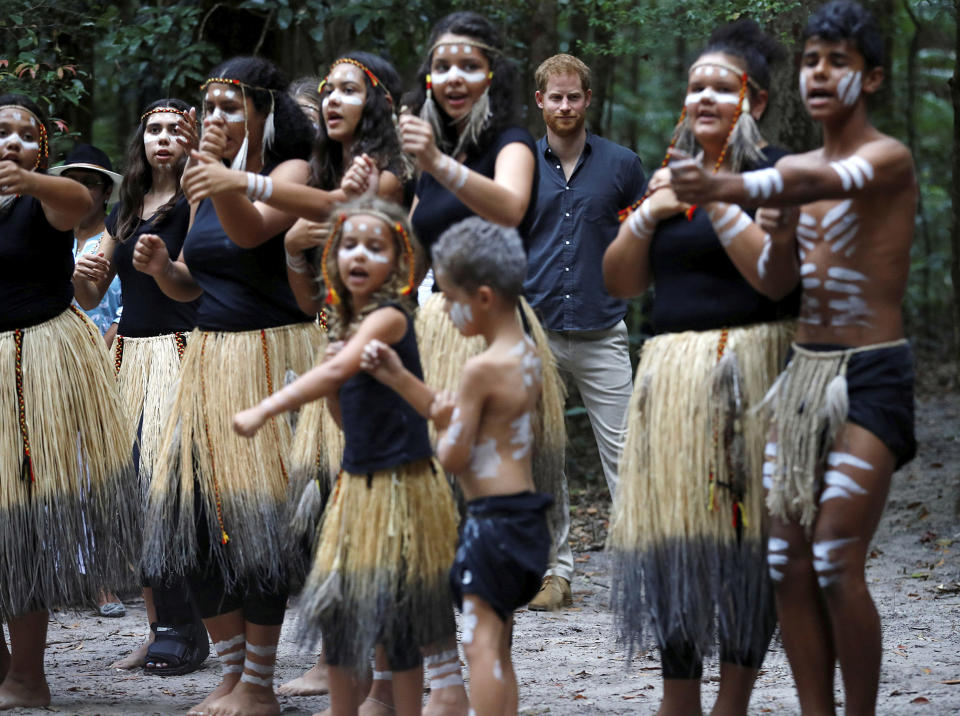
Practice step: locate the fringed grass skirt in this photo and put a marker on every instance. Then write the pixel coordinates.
(69, 504)
(238, 485)
(380, 573)
(687, 534)
(148, 370)
(443, 352)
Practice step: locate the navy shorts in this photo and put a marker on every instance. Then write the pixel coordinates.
(503, 551)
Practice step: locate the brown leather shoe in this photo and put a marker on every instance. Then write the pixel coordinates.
(554, 594)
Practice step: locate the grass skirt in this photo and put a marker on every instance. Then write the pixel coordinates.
(443, 352)
(148, 370)
(688, 534)
(69, 513)
(238, 485)
(380, 573)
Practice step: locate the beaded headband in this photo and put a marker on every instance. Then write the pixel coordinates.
(44, 142)
(471, 43)
(164, 110)
(729, 68)
(397, 226)
(356, 63)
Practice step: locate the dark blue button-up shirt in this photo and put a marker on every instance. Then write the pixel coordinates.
(575, 221)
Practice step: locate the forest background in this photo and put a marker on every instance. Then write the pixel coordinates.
(95, 65)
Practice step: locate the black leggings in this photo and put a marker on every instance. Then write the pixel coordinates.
(680, 660)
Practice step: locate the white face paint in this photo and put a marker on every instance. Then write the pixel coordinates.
(849, 86)
(468, 623)
(442, 50)
(461, 314)
(377, 257)
(377, 231)
(485, 460)
(342, 97)
(25, 145)
(454, 71)
(522, 436)
(708, 93)
(803, 86)
(166, 125)
(823, 565)
(348, 225)
(231, 117)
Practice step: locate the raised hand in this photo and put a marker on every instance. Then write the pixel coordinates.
(187, 135)
(150, 255)
(362, 178)
(13, 179)
(689, 181)
(416, 139)
(381, 361)
(207, 176)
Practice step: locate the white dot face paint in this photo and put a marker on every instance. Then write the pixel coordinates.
(217, 92)
(230, 94)
(348, 225)
(358, 250)
(453, 49)
(454, 72)
(461, 314)
(522, 436)
(709, 94)
(442, 50)
(377, 231)
(362, 227)
(849, 86)
(485, 460)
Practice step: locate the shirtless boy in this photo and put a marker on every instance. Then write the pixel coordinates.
(485, 438)
(843, 410)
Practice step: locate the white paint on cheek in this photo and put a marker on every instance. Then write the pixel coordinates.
(522, 436)
(803, 86)
(344, 98)
(848, 89)
(454, 72)
(484, 459)
(231, 117)
(713, 96)
(461, 314)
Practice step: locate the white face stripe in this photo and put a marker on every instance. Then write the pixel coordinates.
(708, 93)
(764, 182)
(484, 459)
(849, 86)
(522, 436)
(342, 97)
(231, 117)
(24, 145)
(453, 72)
(361, 250)
(461, 314)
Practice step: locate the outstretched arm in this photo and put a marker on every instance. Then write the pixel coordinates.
(882, 166)
(386, 324)
(64, 201)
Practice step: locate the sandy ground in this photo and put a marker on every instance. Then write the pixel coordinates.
(568, 662)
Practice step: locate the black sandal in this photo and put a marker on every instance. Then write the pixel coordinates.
(182, 648)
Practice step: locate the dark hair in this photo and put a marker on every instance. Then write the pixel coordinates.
(294, 133)
(375, 134)
(27, 103)
(138, 177)
(846, 20)
(745, 39)
(475, 252)
(503, 106)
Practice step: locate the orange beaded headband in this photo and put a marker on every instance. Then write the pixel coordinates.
(729, 68)
(356, 63)
(164, 110)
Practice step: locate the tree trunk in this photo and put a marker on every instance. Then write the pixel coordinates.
(955, 189)
(542, 43)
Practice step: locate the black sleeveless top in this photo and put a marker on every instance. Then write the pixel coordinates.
(381, 430)
(243, 289)
(696, 286)
(148, 311)
(36, 266)
(439, 209)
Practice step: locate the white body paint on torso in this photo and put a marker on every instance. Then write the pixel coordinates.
(522, 436)
(484, 459)
(530, 361)
(456, 427)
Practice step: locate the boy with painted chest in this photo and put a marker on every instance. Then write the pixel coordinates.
(485, 438)
(843, 408)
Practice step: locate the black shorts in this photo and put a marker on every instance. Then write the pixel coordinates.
(503, 551)
(880, 392)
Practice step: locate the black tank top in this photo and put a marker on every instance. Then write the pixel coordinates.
(148, 311)
(36, 266)
(382, 430)
(696, 286)
(243, 289)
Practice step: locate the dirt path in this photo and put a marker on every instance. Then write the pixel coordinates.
(568, 662)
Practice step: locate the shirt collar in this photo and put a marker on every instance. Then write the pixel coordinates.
(547, 151)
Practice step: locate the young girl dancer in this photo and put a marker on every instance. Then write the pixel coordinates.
(216, 503)
(69, 504)
(688, 532)
(150, 342)
(388, 535)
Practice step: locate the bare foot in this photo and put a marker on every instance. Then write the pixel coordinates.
(247, 700)
(224, 688)
(311, 683)
(134, 659)
(451, 701)
(14, 693)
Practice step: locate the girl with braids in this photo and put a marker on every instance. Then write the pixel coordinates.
(474, 161)
(688, 529)
(215, 505)
(69, 504)
(150, 342)
(387, 539)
